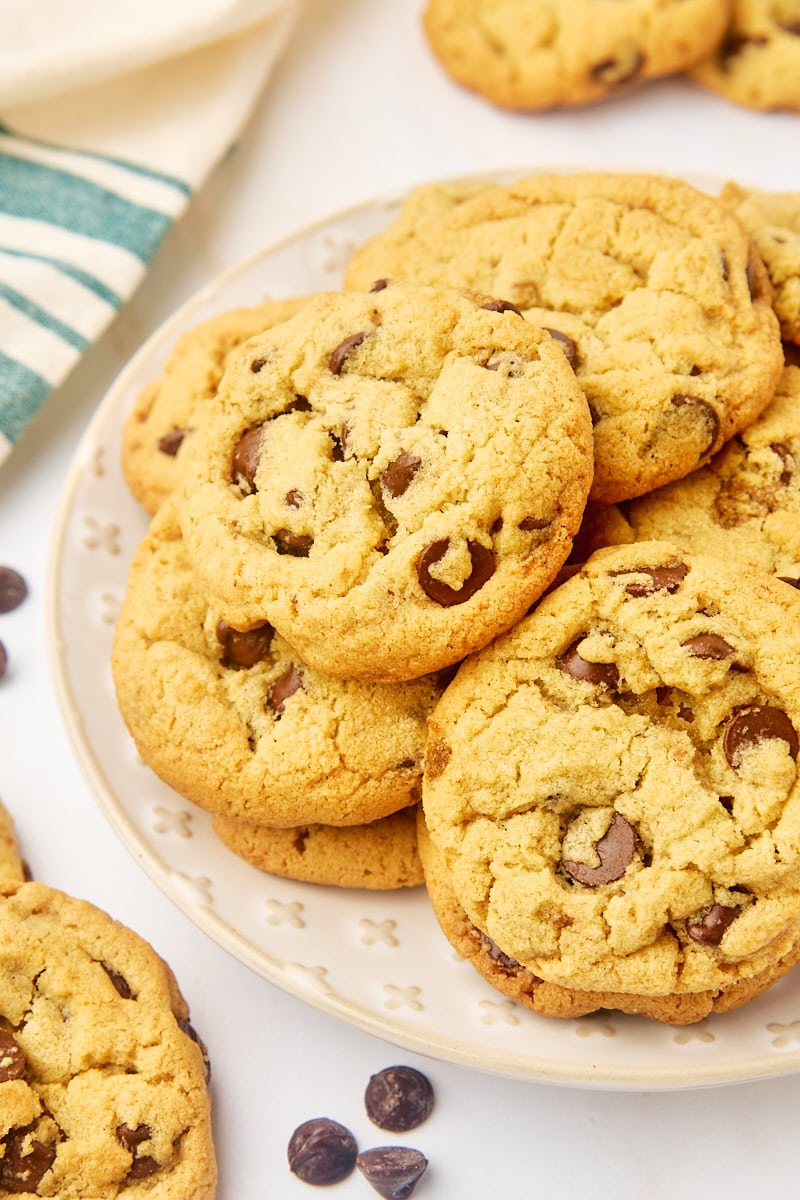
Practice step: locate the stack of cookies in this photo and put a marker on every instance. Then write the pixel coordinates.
(364, 583)
(103, 1079)
(532, 54)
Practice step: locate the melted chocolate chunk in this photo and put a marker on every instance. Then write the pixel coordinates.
(379, 285)
(612, 72)
(498, 956)
(483, 566)
(530, 523)
(339, 355)
(285, 686)
(754, 724)
(501, 306)
(170, 443)
(246, 456)
(791, 354)
(296, 544)
(26, 1161)
(13, 589)
(709, 929)
(709, 645)
(142, 1168)
(566, 343)
(12, 1057)
(733, 44)
(188, 1028)
(131, 1138)
(398, 1099)
(119, 982)
(293, 498)
(615, 850)
(706, 412)
(397, 477)
(795, 583)
(299, 404)
(257, 365)
(792, 27)
(393, 1171)
(662, 579)
(787, 459)
(244, 649)
(322, 1152)
(571, 663)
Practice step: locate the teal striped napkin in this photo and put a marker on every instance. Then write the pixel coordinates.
(76, 234)
(84, 204)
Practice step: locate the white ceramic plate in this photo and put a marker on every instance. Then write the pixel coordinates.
(377, 961)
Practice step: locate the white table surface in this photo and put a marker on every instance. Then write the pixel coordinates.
(359, 107)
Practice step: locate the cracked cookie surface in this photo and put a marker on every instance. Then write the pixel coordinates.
(390, 479)
(744, 505)
(169, 409)
(757, 62)
(380, 856)
(533, 54)
(613, 784)
(651, 287)
(102, 1077)
(239, 723)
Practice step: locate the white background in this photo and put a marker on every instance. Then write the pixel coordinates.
(359, 107)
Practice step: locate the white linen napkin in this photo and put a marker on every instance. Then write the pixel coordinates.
(111, 117)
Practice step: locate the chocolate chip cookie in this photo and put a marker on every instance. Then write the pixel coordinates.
(773, 220)
(388, 478)
(613, 785)
(239, 723)
(380, 856)
(744, 505)
(651, 288)
(524, 54)
(11, 864)
(103, 1078)
(169, 409)
(553, 1000)
(757, 61)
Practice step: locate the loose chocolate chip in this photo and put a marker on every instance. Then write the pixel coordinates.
(398, 1098)
(611, 72)
(501, 306)
(26, 1161)
(571, 663)
(244, 649)
(791, 354)
(322, 1152)
(171, 442)
(530, 523)
(615, 850)
(712, 925)
(379, 285)
(13, 589)
(662, 579)
(142, 1168)
(709, 645)
(397, 477)
(12, 1057)
(285, 686)
(566, 343)
(483, 564)
(296, 544)
(754, 724)
(257, 365)
(246, 456)
(131, 1138)
(393, 1171)
(3, 660)
(119, 982)
(337, 358)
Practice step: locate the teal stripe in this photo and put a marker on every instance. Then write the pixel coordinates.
(33, 191)
(94, 285)
(42, 317)
(134, 168)
(22, 393)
